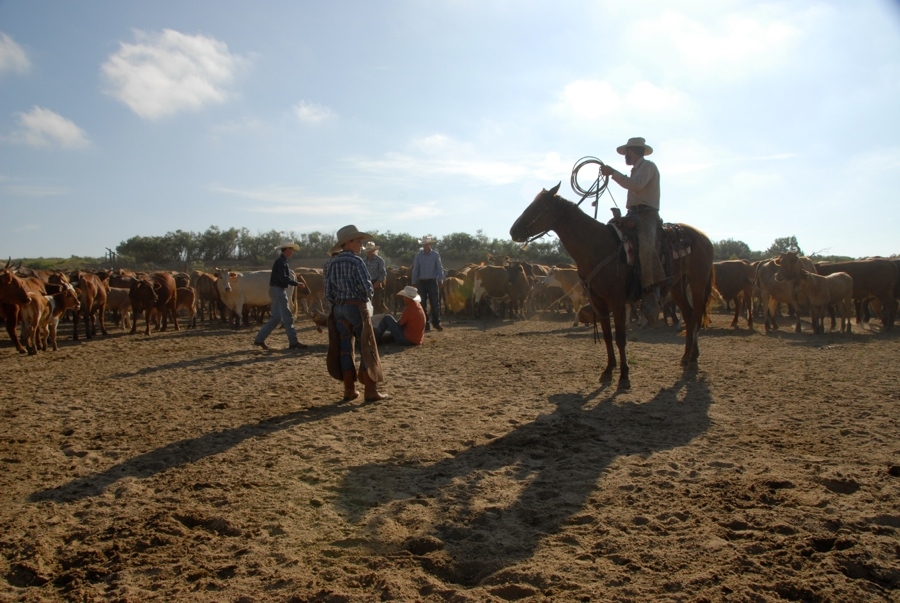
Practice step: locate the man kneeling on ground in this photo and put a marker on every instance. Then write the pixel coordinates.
(410, 329)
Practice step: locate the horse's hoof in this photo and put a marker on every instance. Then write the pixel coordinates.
(606, 377)
(624, 384)
(692, 366)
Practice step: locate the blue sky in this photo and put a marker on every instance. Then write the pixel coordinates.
(768, 119)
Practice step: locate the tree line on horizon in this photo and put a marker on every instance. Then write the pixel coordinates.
(239, 247)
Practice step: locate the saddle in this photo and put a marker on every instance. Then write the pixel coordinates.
(671, 244)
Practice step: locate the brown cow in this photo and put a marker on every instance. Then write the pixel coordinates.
(734, 281)
(156, 291)
(313, 297)
(871, 278)
(497, 284)
(820, 291)
(92, 295)
(207, 294)
(14, 293)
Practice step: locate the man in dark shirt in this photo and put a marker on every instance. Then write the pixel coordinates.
(282, 278)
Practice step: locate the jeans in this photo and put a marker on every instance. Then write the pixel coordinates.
(389, 323)
(428, 291)
(343, 314)
(281, 314)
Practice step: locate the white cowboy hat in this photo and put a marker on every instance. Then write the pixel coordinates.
(349, 233)
(410, 292)
(635, 142)
(426, 240)
(285, 243)
(371, 246)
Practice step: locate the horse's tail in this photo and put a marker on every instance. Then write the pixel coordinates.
(708, 294)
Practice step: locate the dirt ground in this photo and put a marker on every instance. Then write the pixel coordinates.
(190, 466)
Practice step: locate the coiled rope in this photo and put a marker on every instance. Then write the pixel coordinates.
(597, 187)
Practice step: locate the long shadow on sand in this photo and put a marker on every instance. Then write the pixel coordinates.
(554, 463)
(184, 452)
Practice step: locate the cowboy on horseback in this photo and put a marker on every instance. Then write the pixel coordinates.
(643, 207)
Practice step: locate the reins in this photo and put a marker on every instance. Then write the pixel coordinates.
(596, 189)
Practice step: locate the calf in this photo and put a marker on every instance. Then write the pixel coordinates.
(186, 297)
(154, 292)
(821, 292)
(871, 278)
(118, 301)
(773, 292)
(58, 304)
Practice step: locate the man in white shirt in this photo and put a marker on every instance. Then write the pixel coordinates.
(643, 205)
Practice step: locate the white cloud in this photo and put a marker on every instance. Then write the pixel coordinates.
(12, 56)
(590, 99)
(312, 113)
(728, 46)
(43, 128)
(284, 200)
(164, 73)
(596, 99)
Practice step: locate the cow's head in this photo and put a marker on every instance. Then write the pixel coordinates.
(70, 298)
(788, 266)
(12, 290)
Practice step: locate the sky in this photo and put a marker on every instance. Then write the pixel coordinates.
(123, 119)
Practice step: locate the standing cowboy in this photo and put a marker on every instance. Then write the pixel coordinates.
(427, 276)
(281, 284)
(349, 288)
(643, 206)
(375, 266)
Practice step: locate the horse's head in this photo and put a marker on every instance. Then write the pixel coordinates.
(537, 218)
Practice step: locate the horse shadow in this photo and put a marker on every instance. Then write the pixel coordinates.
(552, 464)
(185, 452)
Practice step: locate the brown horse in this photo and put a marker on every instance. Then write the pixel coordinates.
(597, 252)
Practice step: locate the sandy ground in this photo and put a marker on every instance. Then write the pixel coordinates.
(191, 466)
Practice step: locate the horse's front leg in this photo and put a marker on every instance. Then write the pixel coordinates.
(621, 332)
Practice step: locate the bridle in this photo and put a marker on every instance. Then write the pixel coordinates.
(595, 190)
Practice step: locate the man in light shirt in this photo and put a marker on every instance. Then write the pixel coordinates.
(643, 206)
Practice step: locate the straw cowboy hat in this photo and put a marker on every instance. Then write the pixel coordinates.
(371, 246)
(635, 142)
(427, 240)
(349, 233)
(410, 292)
(285, 243)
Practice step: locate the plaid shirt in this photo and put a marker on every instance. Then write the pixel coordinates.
(375, 266)
(347, 278)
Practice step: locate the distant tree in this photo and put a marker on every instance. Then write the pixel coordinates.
(729, 249)
(783, 245)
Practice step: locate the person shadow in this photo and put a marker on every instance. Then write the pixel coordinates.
(490, 506)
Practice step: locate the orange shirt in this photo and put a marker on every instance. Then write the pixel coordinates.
(413, 321)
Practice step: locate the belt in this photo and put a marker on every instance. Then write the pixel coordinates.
(352, 302)
(640, 208)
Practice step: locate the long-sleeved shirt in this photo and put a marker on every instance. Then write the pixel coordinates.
(375, 266)
(642, 185)
(348, 278)
(427, 265)
(281, 274)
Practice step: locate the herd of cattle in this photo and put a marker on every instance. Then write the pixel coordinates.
(36, 300)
